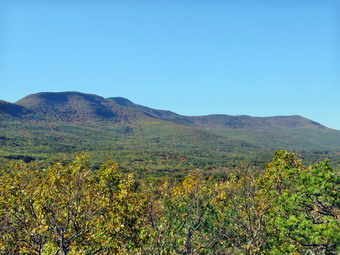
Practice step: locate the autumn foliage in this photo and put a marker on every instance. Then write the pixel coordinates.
(69, 208)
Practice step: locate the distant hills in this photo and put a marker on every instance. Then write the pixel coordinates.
(76, 107)
(14, 110)
(70, 121)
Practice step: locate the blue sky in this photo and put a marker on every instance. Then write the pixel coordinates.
(193, 57)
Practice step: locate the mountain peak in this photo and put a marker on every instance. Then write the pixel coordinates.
(70, 106)
(77, 107)
(294, 121)
(121, 101)
(56, 97)
(7, 108)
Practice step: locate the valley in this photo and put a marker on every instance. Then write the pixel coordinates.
(49, 126)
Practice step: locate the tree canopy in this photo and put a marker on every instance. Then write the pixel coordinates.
(69, 208)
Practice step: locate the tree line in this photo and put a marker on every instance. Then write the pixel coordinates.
(68, 208)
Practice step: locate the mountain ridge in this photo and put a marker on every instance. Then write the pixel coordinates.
(49, 123)
(85, 107)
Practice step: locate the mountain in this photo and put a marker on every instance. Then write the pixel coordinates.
(49, 123)
(254, 123)
(157, 114)
(10, 109)
(75, 107)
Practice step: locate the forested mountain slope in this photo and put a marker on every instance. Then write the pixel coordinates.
(45, 124)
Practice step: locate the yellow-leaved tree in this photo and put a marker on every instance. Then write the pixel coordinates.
(69, 209)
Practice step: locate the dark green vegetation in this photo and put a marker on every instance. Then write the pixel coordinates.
(67, 208)
(45, 126)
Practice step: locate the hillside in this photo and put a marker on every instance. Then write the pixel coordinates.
(78, 108)
(14, 110)
(255, 123)
(45, 124)
(158, 114)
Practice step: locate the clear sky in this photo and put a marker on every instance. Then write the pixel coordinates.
(193, 57)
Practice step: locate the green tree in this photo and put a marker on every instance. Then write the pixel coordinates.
(304, 211)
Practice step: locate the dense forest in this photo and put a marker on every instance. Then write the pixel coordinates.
(48, 126)
(72, 207)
